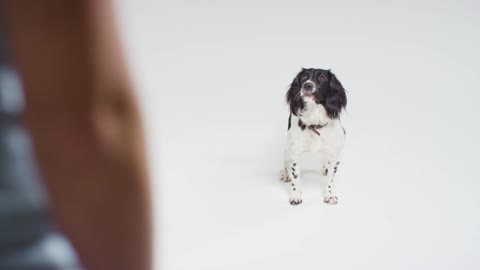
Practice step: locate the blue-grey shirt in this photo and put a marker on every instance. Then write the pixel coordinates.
(28, 238)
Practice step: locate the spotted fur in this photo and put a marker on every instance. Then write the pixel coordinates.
(319, 107)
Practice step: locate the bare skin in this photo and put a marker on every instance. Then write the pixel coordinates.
(86, 128)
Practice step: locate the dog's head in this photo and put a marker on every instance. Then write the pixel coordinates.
(319, 86)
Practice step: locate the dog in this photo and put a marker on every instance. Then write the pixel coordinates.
(316, 99)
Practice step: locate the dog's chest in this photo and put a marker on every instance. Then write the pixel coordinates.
(314, 115)
(327, 140)
(330, 139)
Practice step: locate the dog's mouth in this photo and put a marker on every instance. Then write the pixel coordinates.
(307, 94)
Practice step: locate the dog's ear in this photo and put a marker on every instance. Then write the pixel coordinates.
(293, 96)
(336, 98)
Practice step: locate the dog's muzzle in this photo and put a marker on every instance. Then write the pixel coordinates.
(308, 88)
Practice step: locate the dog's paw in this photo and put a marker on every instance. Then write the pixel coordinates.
(332, 200)
(295, 201)
(284, 177)
(296, 198)
(325, 171)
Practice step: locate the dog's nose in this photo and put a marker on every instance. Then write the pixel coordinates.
(308, 86)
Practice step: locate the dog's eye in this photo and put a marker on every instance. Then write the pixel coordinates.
(305, 76)
(322, 78)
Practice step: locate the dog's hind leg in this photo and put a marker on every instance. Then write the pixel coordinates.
(325, 169)
(284, 176)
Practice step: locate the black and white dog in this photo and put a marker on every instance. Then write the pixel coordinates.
(316, 99)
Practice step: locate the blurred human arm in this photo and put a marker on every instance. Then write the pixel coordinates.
(86, 128)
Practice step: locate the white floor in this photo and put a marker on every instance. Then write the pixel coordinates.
(212, 78)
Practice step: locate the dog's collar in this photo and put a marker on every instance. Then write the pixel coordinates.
(313, 128)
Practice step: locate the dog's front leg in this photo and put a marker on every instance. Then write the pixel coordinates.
(295, 192)
(292, 169)
(330, 169)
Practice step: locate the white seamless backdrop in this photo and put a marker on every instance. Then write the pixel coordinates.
(212, 76)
